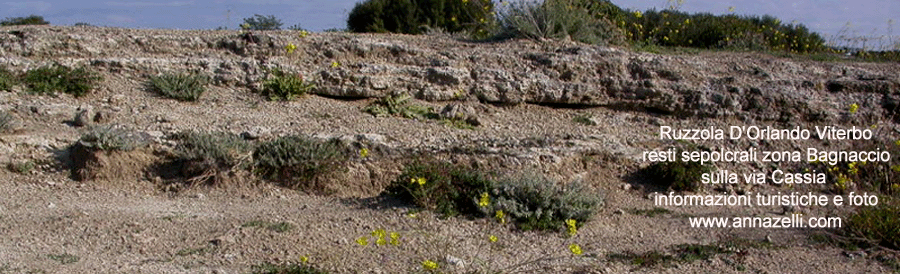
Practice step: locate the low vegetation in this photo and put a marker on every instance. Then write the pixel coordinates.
(8, 79)
(445, 188)
(64, 258)
(418, 16)
(203, 156)
(111, 138)
(28, 20)
(536, 203)
(398, 105)
(179, 86)
(687, 253)
(6, 122)
(558, 19)
(287, 268)
(279, 227)
(296, 161)
(878, 225)
(285, 86)
(531, 202)
(59, 78)
(261, 22)
(677, 175)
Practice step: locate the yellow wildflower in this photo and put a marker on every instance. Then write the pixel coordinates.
(854, 107)
(395, 238)
(335, 64)
(303, 34)
(897, 142)
(638, 14)
(429, 265)
(304, 259)
(500, 216)
(571, 227)
(290, 48)
(363, 241)
(379, 235)
(575, 248)
(420, 180)
(492, 238)
(485, 200)
(364, 152)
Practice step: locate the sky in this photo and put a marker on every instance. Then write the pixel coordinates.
(829, 17)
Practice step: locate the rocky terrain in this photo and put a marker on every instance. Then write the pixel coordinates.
(524, 96)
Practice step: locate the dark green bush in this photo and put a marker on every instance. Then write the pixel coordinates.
(284, 86)
(704, 30)
(204, 155)
(534, 202)
(183, 87)
(58, 78)
(7, 79)
(879, 224)
(295, 161)
(260, 22)
(559, 19)
(679, 175)
(30, 20)
(447, 189)
(416, 16)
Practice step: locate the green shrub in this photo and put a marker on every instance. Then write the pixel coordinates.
(558, 19)
(23, 167)
(416, 16)
(260, 22)
(289, 268)
(30, 20)
(878, 224)
(678, 175)
(445, 188)
(283, 86)
(296, 160)
(7, 79)
(704, 30)
(58, 78)
(204, 155)
(6, 122)
(398, 105)
(183, 87)
(109, 138)
(883, 177)
(534, 202)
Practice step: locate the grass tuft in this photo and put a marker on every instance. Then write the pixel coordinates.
(285, 87)
(204, 155)
(182, 87)
(8, 79)
(295, 161)
(289, 268)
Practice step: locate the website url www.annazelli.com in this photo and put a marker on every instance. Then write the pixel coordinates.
(794, 221)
